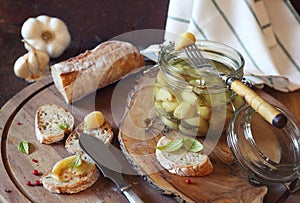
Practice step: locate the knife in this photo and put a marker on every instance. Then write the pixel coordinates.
(108, 164)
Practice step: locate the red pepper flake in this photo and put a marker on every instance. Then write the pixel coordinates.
(74, 172)
(37, 182)
(35, 172)
(125, 140)
(19, 123)
(34, 160)
(28, 183)
(188, 181)
(109, 196)
(8, 190)
(65, 176)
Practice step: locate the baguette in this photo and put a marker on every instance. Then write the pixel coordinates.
(182, 162)
(75, 185)
(103, 133)
(52, 123)
(94, 69)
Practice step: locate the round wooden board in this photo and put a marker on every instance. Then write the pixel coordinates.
(138, 135)
(17, 124)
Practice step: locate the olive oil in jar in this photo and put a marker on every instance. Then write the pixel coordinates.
(185, 98)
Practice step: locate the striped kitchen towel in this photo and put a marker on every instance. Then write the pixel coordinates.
(265, 32)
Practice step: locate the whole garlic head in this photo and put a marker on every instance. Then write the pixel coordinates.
(31, 65)
(46, 33)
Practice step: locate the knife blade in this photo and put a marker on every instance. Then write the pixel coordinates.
(108, 164)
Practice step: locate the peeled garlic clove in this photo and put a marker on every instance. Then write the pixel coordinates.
(20, 67)
(183, 40)
(94, 119)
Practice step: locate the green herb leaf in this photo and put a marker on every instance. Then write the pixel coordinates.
(63, 126)
(23, 147)
(192, 145)
(76, 162)
(171, 146)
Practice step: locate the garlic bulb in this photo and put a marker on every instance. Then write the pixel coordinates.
(31, 65)
(46, 33)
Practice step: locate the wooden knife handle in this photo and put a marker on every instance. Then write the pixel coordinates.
(266, 110)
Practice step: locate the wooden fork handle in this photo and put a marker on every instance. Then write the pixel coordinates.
(266, 110)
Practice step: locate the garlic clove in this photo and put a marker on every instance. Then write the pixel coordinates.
(20, 67)
(64, 39)
(55, 49)
(33, 63)
(36, 43)
(44, 19)
(27, 32)
(43, 59)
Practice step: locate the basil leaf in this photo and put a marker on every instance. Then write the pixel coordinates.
(76, 162)
(63, 126)
(192, 145)
(23, 147)
(171, 146)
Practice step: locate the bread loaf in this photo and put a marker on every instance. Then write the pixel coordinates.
(94, 69)
(52, 123)
(182, 162)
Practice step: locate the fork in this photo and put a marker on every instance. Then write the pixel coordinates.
(265, 109)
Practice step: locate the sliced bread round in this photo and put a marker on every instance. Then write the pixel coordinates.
(77, 184)
(103, 133)
(52, 123)
(182, 162)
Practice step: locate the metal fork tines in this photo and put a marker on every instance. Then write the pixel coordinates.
(195, 56)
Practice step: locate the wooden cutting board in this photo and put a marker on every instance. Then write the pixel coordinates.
(138, 135)
(226, 183)
(17, 124)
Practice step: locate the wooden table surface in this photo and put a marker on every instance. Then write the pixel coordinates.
(91, 22)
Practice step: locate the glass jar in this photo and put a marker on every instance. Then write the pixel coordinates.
(194, 101)
(267, 154)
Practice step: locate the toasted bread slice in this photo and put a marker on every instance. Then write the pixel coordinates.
(75, 185)
(103, 133)
(182, 162)
(52, 123)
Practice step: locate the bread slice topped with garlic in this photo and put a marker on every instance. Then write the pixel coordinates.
(182, 156)
(71, 175)
(52, 123)
(93, 124)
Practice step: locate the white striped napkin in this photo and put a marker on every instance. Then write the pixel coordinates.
(266, 32)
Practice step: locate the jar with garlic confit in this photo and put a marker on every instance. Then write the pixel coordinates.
(195, 100)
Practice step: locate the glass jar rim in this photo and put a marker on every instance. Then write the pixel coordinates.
(207, 47)
(251, 164)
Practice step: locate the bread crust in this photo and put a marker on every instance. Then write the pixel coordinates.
(94, 69)
(202, 169)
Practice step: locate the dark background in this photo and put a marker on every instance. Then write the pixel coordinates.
(89, 22)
